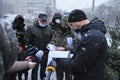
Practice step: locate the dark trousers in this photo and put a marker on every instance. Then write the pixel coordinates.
(35, 72)
(10, 76)
(43, 63)
(60, 72)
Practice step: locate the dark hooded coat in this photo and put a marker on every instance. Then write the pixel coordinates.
(8, 47)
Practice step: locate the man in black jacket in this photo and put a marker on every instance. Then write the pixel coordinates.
(88, 62)
(39, 34)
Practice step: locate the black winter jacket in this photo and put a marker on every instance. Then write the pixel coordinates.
(88, 62)
(39, 36)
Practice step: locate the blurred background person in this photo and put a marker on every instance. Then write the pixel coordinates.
(8, 53)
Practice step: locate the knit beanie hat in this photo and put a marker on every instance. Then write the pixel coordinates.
(77, 15)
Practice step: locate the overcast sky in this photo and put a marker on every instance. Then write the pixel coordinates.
(69, 5)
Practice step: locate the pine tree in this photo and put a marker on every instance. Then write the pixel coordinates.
(113, 63)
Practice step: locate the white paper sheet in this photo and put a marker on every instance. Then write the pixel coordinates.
(59, 54)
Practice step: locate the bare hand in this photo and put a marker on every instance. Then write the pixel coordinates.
(60, 48)
(31, 64)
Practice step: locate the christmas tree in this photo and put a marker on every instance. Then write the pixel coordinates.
(113, 62)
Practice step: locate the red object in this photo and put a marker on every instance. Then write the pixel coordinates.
(29, 58)
(21, 48)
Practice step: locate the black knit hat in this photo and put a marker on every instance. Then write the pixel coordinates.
(77, 15)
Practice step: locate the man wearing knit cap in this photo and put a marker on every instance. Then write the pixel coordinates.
(88, 61)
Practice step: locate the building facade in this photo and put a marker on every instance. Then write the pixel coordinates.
(41, 6)
(33, 7)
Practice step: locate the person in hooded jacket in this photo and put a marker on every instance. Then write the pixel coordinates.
(59, 38)
(8, 53)
(39, 34)
(8, 48)
(88, 61)
(56, 21)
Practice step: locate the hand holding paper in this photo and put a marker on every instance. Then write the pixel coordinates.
(60, 48)
(69, 41)
(51, 47)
